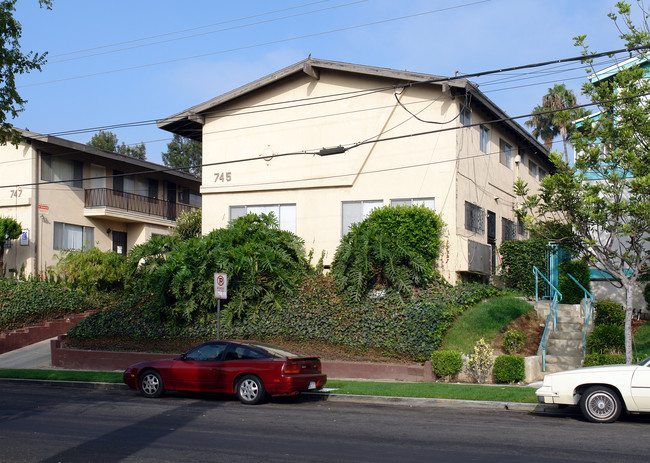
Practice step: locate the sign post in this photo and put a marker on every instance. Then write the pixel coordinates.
(220, 292)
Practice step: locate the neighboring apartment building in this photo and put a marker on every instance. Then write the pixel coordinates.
(321, 143)
(67, 195)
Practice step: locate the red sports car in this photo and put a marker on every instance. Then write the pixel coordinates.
(251, 370)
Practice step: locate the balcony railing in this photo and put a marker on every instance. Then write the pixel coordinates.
(105, 197)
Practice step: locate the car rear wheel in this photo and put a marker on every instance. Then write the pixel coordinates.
(250, 390)
(151, 384)
(600, 404)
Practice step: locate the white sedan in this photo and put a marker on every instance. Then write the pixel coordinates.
(602, 392)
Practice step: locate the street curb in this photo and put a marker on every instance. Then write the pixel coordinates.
(70, 384)
(422, 402)
(415, 402)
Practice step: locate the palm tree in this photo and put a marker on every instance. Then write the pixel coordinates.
(556, 116)
(542, 126)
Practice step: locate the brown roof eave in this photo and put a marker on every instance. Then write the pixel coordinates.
(89, 153)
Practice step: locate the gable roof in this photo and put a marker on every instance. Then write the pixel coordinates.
(638, 60)
(188, 123)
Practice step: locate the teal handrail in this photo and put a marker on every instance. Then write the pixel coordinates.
(589, 307)
(556, 298)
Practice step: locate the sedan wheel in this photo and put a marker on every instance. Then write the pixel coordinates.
(250, 390)
(599, 404)
(151, 384)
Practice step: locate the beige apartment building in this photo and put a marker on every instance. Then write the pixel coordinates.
(321, 143)
(68, 195)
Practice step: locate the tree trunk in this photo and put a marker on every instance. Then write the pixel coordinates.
(629, 308)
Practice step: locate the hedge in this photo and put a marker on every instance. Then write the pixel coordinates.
(509, 369)
(518, 258)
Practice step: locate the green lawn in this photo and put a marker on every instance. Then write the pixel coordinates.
(426, 390)
(64, 375)
(642, 341)
(484, 320)
(436, 390)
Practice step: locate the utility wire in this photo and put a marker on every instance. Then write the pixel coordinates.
(327, 151)
(257, 45)
(290, 104)
(207, 33)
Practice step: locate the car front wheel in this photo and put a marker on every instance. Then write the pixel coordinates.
(151, 384)
(600, 404)
(250, 390)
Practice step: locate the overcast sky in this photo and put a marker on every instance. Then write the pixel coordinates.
(120, 62)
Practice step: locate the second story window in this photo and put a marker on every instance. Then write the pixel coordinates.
(465, 115)
(65, 171)
(505, 154)
(485, 139)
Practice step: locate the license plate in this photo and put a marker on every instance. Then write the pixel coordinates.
(312, 385)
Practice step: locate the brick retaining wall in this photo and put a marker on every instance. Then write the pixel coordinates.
(78, 359)
(15, 339)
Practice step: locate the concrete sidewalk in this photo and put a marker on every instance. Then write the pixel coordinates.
(35, 356)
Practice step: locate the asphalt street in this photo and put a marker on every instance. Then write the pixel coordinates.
(54, 424)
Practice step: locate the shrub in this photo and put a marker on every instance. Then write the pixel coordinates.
(518, 258)
(571, 292)
(92, 269)
(481, 361)
(394, 247)
(509, 369)
(609, 312)
(446, 363)
(592, 360)
(264, 265)
(606, 339)
(188, 225)
(513, 341)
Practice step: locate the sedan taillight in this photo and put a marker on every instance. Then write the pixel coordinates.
(291, 369)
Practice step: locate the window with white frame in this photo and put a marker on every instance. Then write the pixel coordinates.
(474, 218)
(542, 173)
(355, 211)
(284, 213)
(70, 237)
(533, 169)
(465, 115)
(426, 202)
(485, 139)
(65, 171)
(505, 154)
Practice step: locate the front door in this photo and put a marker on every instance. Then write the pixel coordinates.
(119, 242)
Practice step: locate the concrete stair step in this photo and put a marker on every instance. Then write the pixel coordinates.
(555, 367)
(564, 343)
(563, 351)
(564, 359)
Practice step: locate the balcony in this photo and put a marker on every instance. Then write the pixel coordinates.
(130, 207)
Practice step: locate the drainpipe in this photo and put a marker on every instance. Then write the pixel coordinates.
(35, 213)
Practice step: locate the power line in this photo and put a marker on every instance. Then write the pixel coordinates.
(166, 34)
(325, 151)
(209, 32)
(246, 47)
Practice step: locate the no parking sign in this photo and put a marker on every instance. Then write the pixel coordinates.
(221, 286)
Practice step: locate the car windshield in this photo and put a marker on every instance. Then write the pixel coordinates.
(645, 361)
(274, 350)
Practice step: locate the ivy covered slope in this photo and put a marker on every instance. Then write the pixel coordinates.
(408, 328)
(25, 303)
(396, 302)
